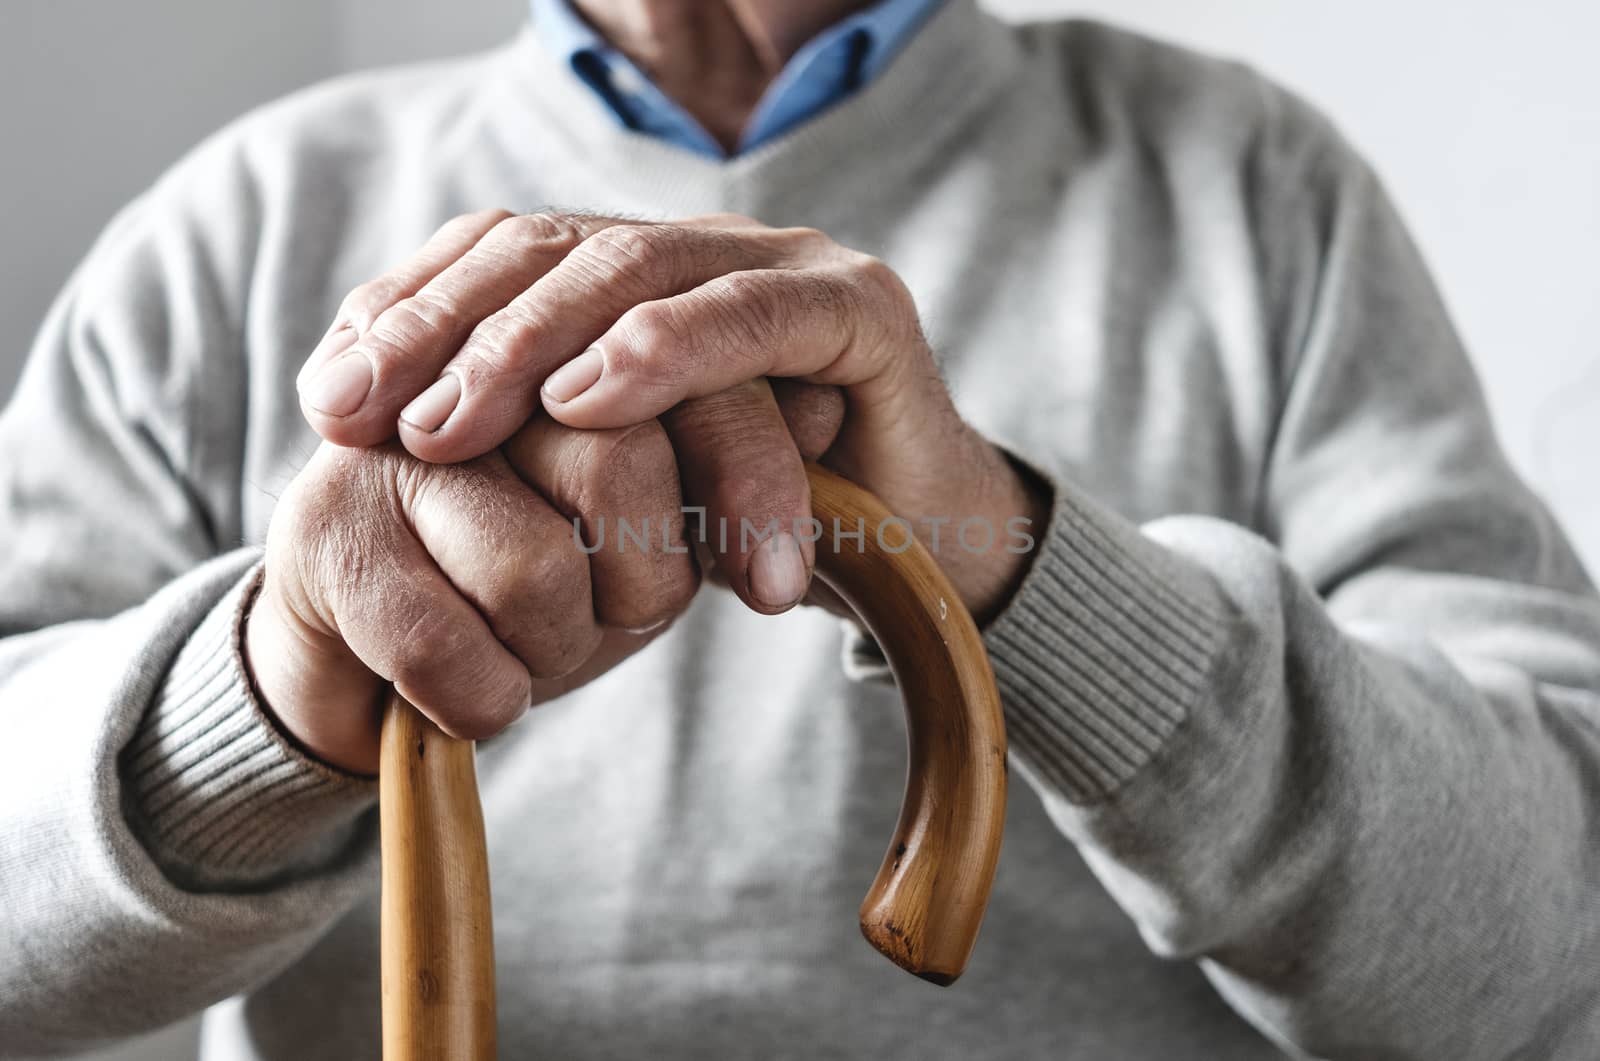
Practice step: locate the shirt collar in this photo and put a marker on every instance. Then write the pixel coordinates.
(826, 70)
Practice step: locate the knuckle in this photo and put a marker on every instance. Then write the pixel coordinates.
(624, 243)
(413, 665)
(332, 517)
(668, 592)
(509, 588)
(410, 323)
(639, 457)
(627, 253)
(580, 483)
(888, 306)
(329, 486)
(433, 309)
(426, 654)
(365, 301)
(554, 571)
(533, 589)
(741, 288)
(501, 343)
(404, 482)
(877, 278)
(526, 235)
(455, 674)
(476, 220)
(442, 669)
(618, 471)
(653, 330)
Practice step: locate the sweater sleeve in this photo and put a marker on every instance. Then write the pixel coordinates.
(162, 846)
(1349, 761)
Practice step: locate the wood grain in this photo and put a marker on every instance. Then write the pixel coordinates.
(437, 923)
(926, 904)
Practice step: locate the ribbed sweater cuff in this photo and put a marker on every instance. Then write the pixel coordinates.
(1103, 650)
(217, 793)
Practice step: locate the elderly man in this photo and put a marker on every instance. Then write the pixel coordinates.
(1302, 684)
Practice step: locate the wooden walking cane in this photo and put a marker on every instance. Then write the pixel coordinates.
(923, 910)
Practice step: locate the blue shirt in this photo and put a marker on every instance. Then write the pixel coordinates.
(831, 66)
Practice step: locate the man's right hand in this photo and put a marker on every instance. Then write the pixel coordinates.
(463, 585)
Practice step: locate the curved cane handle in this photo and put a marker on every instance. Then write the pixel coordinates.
(924, 908)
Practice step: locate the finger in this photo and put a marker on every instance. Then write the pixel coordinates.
(496, 377)
(404, 618)
(356, 398)
(813, 413)
(513, 556)
(362, 305)
(817, 325)
(621, 488)
(740, 463)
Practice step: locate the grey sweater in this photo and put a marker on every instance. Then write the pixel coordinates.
(1303, 685)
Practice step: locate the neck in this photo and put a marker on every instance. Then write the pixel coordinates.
(713, 57)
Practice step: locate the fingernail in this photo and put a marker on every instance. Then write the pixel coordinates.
(576, 376)
(778, 571)
(339, 387)
(336, 342)
(429, 410)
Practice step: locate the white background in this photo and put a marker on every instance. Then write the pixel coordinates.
(1484, 117)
